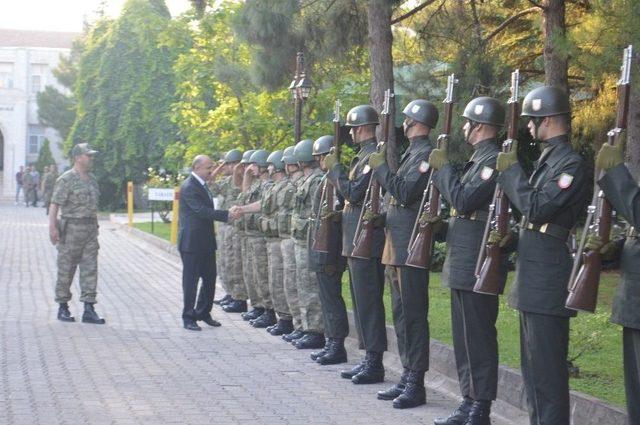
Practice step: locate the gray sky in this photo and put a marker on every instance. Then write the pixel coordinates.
(62, 15)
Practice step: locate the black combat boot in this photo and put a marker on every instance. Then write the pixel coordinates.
(459, 416)
(64, 314)
(479, 413)
(235, 306)
(336, 353)
(253, 314)
(316, 354)
(268, 318)
(311, 339)
(373, 370)
(414, 393)
(350, 373)
(90, 315)
(222, 300)
(396, 390)
(282, 327)
(295, 334)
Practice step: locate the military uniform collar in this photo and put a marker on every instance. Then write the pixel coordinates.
(558, 147)
(484, 145)
(367, 147)
(419, 142)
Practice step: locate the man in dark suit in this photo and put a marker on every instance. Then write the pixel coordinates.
(197, 243)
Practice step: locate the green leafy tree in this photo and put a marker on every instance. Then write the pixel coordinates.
(45, 157)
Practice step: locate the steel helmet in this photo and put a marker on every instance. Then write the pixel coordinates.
(422, 111)
(361, 115)
(485, 110)
(276, 159)
(322, 145)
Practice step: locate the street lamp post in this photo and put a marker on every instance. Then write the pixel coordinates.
(299, 88)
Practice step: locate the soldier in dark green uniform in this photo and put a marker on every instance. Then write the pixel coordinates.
(367, 276)
(409, 285)
(550, 201)
(624, 194)
(473, 315)
(329, 268)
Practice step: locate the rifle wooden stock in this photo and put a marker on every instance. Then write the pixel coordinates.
(421, 241)
(488, 281)
(583, 286)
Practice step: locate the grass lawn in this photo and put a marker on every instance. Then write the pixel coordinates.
(599, 341)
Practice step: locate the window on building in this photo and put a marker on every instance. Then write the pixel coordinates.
(38, 72)
(36, 83)
(6, 75)
(36, 138)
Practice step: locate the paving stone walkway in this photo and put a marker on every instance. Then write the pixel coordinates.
(142, 367)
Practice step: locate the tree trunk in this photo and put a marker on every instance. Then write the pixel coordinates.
(556, 64)
(633, 120)
(381, 64)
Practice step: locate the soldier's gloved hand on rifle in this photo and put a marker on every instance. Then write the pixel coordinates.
(507, 159)
(435, 222)
(609, 156)
(331, 160)
(376, 159)
(501, 240)
(438, 157)
(332, 215)
(376, 219)
(608, 250)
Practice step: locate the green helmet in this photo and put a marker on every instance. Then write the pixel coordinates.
(422, 111)
(485, 110)
(322, 145)
(303, 151)
(276, 159)
(246, 156)
(361, 115)
(288, 156)
(545, 101)
(259, 158)
(234, 155)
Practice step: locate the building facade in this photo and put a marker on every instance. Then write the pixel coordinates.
(27, 59)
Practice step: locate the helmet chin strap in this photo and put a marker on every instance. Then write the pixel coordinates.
(408, 126)
(472, 126)
(537, 121)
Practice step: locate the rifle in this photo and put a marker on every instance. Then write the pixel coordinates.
(421, 241)
(323, 226)
(587, 265)
(489, 258)
(363, 239)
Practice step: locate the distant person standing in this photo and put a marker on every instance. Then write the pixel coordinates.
(48, 182)
(76, 195)
(19, 175)
(27, 184)
(35, 184)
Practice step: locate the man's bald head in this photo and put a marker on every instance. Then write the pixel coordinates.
(202, 166)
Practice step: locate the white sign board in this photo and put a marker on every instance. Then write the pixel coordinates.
(160, 194)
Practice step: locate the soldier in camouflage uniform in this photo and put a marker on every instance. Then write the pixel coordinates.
(302, 220)
(48, 182)
(227, 192)
(76, 195)
(28, 186)
(286, 203)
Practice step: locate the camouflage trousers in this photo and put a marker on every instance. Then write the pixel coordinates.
(221, 258)
(78, 248)
(232, 251)
(257, 246)
(247, 273)
(290, 286)
(308, 290)
(276, 278)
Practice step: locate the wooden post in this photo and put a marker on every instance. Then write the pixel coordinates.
(174, 216)
(130, 202)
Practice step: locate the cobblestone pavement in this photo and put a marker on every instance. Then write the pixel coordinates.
(142, 367)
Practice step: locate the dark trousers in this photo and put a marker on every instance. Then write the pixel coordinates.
(334, 311)
(368, 288)
(410, 298)
(544, 344)
(196, 266)
(631, 350)
(475, 343)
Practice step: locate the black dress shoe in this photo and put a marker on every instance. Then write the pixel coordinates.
(336, 353)
(414, 393)
(282, 327)
(268, 318)
(459, 416)
(211, 322)
(310, 340)
(350, 373)
(192, 326)
(314, 355)
(235, 306)
(90, 315)
(64, 314)
(222, 300)
(480, 413)
(396, 390)
(296, 334)
(253, 314)
(373, 370)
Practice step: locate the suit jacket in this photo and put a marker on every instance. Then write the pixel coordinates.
(197, 214)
